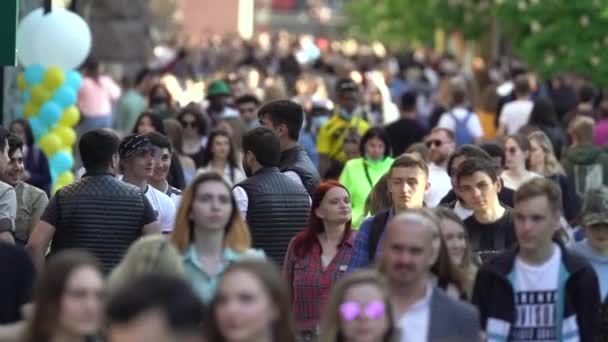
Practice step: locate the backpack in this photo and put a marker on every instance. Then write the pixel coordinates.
(378, 223)
(461, 129)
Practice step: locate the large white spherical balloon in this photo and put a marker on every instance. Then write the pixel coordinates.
(26, 34)
(63, 38)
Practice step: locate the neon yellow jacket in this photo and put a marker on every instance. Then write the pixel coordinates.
(354, 178)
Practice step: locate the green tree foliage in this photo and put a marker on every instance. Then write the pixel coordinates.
(551, 36)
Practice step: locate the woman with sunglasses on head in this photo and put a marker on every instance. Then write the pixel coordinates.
(210, 233)
(458, 247)
(359, 310)
(517, 159)
(251, 305)
(220, 157)
(319, 255)
(194, 139)
(361, 174)
(68, 300)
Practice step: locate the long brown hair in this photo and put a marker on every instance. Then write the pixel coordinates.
(237, 236)
(50, 289)
(330, 325)
(284, 329)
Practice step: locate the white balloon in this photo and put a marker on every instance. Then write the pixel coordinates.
(63, 39)
(26, 33)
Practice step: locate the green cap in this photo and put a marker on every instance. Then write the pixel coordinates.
(218, 88)
(595, 207)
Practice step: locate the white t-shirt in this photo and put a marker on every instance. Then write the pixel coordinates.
(461, 211)
(474, 125)
(535, 300)
(414, 323)
(164, 208)
(440, 185)
(515, 115)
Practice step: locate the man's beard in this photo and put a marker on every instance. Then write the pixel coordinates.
(247, 170)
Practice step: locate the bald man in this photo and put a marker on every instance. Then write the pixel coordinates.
(423, 311)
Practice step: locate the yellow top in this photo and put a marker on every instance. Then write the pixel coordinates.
(331, 135)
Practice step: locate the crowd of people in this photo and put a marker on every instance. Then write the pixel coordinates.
(313, 195)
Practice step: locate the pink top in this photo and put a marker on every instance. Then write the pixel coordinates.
(95, 97)
(600, 137)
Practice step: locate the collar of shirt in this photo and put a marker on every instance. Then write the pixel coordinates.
(424, 302)
(191, 257)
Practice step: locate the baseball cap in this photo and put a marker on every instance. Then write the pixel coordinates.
(134, 144)
(595, 207)
(346, 84)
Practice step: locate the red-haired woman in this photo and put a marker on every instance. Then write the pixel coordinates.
(319, 255)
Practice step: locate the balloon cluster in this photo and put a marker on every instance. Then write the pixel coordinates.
(50, 45)
(50, 96)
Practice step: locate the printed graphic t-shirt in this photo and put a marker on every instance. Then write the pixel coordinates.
(536, 300)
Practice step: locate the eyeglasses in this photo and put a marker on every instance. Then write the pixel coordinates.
(436, 143)
(352, 310)
(192, 124)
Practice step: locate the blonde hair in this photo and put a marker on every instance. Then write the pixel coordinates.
(581, 128)
(150, 254)
(237, 236)
(330, 324)
(552, 166)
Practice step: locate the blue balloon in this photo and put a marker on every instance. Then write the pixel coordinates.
(73, 79)
(65, 96)
(61, 161)
(54, 176)
(26, 96)
(39, 128)
(34, 74)
(50, 113)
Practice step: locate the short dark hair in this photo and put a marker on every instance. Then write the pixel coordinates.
(376, 132)
(586, 93)
(472, 165)
(450, 133)
(408, 100)
(173, 297)
(409, 160)
(3, 138)
(285, 112)
(159, 140)
(468, 151)
(521, 85)
(247, 98)
(459, 96)
(27, 129)
(14, 143)
(264, 144)
(495, 149)
(97, 148)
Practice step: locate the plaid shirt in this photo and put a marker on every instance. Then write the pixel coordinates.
(310, 283)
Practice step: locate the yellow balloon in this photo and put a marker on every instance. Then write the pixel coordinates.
(70, 117)
(40, 94)
(50, 143)
(53, 78)
(65, 178)
(21, 82)
(66, 134)
(30, 109)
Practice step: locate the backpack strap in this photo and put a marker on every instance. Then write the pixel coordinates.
(378, 224)
(464, 121)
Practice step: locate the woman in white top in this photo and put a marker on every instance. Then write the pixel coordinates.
(517, 157)
(220, 157)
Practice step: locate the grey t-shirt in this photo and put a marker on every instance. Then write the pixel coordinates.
(8, 207)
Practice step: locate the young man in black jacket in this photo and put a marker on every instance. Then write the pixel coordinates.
(538, 290)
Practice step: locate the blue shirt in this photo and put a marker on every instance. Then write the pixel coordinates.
(360, 257)
(599, 263)
(203, 283)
